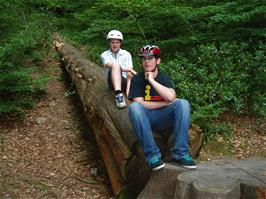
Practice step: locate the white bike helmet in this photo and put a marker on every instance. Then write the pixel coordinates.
(115, 34)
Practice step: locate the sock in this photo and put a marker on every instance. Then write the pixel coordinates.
(118, 92)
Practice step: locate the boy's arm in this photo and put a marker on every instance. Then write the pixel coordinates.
(150, 104)
(129, 70)
(129, 65)
(168, 94)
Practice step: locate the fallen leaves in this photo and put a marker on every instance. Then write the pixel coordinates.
(48, 155)
(248, 139)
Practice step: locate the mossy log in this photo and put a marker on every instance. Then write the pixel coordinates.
(119, 147)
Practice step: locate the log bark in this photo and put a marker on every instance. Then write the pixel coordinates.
(122, 154)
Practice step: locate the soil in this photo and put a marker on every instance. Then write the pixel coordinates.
(51, 152)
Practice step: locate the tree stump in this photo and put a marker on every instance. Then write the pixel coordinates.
(218, 179)
(122, 155)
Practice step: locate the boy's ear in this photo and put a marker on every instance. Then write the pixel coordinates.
(158, 60)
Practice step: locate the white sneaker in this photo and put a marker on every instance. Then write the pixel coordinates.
(120, 101)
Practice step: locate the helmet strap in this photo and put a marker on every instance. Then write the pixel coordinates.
(154, 68)
(156, 64)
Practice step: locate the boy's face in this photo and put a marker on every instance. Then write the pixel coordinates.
(115, 45)
(149, 63)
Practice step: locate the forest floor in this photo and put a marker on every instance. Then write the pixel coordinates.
(51, 152)
(240, 137)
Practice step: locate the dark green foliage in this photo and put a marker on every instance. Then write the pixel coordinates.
(228, 76)
(23, 39)
(223, 129)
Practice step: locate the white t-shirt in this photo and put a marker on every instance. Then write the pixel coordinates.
(122, 57)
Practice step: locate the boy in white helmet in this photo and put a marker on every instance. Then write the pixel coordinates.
(118, 67)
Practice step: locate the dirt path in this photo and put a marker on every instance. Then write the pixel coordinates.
(52, 153)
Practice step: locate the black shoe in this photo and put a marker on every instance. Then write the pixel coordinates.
(120, 101)
(156, 164)
(185, 162)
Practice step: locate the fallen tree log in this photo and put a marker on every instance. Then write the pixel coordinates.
(118, 145)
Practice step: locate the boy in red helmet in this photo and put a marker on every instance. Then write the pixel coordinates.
(118, 67)
(155, 107)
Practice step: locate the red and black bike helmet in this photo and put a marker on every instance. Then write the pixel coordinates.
(150, 50)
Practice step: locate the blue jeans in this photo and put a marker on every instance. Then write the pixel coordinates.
(175, 116)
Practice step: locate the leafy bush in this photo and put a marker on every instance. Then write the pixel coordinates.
(223, 129)
(24, 40)
(221, 77)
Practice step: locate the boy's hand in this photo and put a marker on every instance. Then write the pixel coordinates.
(133, 71)
(129, 69)
(149, 76)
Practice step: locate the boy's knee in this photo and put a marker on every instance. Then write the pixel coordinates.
(116, 67)
(181, 103)
(135, 108)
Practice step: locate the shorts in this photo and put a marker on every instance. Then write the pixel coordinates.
(123, 82)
